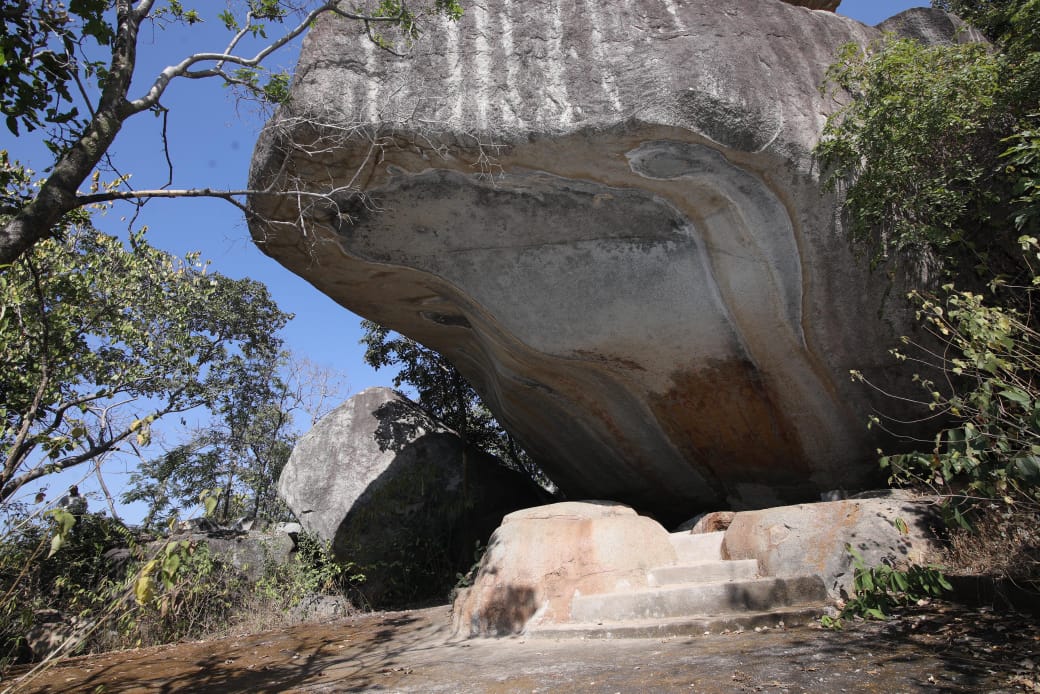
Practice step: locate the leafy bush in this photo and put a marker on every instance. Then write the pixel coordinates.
(937, 149)
(878, 590)
(983, 383)
(919, 152)
(165, 591)
(311, 570)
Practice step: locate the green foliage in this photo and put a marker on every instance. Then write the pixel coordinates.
(404, 21)
(63, 521)
(1014, 25)
(445, 394)
(310, 571)
(878, 590)
(39, 43)
(465, 580)
(90, 329)
(917, 149)
(1023, 168)
(983, 383)
(78, 579)
(939, 155)
(163, 591)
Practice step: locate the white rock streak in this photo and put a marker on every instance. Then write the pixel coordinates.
(480, 65)
(371, 85)
(673, 9)
(595, 19)
(454, 64)
(508, 108)
(556, 99)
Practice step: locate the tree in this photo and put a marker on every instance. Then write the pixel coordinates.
(446, 395)
(939, 153)
(99, 340)
(936, 149)
(68, 68)
(243, 450)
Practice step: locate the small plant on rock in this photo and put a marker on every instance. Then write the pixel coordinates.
(878, 590)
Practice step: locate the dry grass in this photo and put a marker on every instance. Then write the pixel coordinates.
(1004, 543)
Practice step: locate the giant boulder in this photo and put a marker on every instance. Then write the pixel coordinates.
(398, 494)
(608, 217)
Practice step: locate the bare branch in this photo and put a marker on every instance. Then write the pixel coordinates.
(183, 68)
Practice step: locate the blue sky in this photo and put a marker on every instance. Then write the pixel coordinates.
(211, 138)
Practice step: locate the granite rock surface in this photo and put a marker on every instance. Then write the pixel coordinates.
(608, 217)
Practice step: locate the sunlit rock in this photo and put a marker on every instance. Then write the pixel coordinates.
(608, 216)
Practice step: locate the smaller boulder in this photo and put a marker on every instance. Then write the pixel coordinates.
(248, 552)
(811, 539)
(54, 631)
(399, 495)
(539, 559)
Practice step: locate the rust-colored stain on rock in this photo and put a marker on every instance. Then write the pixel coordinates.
(724, 417)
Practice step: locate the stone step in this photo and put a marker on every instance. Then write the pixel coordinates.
(666, 602)
(704, 572)
(681, 626)
(691, 547)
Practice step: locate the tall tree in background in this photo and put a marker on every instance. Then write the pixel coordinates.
(244, 448)
(99, 340)
(446, 395)
(67, 69)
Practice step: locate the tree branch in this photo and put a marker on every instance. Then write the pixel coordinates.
(182, 69)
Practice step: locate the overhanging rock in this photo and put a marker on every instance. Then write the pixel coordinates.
(608, 217)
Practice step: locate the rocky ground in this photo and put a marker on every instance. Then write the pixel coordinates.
(933, 648)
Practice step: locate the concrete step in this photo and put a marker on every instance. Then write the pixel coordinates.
(692, 548)
(704, 572)
(667, 602)
(681, 626)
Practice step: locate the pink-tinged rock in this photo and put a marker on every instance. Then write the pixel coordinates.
(539, 559)
(810, 539)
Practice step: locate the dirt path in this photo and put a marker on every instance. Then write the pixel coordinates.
(950, 649)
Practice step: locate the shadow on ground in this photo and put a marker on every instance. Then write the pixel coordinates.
(943, 648)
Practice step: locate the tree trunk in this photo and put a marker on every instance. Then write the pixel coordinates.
(58, 194)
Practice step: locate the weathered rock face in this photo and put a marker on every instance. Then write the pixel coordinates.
(398, 494)
(608, 217)
(811, 538)
(540, 558)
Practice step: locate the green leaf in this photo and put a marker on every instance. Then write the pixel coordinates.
(1027, 468)
(1017, 395)
(209, 498)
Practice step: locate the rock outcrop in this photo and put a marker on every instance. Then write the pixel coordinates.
(608, 217)
(540, 558)
(398, 494)
(597, 569)
(812, 538)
